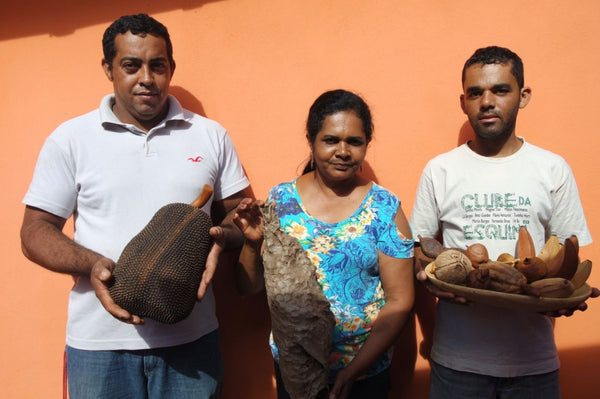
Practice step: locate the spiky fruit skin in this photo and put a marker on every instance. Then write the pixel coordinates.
(159, 271)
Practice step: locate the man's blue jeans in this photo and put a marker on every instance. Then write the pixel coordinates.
(448, 383)
(193, 370)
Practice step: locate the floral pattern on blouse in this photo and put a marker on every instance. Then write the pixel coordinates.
(345, 256)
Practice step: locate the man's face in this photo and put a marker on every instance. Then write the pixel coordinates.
(141, 74)
(491, 100)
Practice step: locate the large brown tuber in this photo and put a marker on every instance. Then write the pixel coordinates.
(301, 319)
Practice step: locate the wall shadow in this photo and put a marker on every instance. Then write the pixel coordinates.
(368, 172)
(465, 133)
(579, 372)
(63, 17)
(187, 100)
(191, 103)
(245, 324)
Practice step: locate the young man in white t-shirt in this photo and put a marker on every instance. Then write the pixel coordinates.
(483, 191)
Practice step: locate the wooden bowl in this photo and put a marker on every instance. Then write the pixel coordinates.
(512, 301)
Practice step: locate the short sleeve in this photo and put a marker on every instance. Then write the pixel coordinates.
(232, 177)
(53, 187)
(424, 218)
(390, 240)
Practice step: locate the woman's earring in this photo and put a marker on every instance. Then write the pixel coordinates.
(312, 161)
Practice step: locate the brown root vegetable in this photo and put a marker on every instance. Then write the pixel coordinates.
(301, 319)
(430, 246)
(452, 266)
(477, 254)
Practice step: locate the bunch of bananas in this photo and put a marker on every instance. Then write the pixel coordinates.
(554, 272)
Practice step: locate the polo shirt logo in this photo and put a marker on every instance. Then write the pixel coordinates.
(197, 159)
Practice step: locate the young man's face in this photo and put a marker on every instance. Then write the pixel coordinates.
(491, 100)
(141, 74)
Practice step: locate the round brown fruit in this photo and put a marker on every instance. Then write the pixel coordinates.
(452, 266)
(477, 254)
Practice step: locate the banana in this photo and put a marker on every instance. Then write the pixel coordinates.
(569, 265)
(554, 264)
(584, 269)
(506, 278)
(525, 246)
(533, 268)
(554, 287)
(550, 249)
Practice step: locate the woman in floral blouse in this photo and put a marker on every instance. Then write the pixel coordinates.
(357, 237)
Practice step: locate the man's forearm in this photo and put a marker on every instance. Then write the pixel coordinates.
(44, 243)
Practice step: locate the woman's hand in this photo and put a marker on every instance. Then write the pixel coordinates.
(249, 270)
(342, 386)
(248, 219)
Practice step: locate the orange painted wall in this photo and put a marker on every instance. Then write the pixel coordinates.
(256, 66)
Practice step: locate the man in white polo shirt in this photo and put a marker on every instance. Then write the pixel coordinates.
(112, 169)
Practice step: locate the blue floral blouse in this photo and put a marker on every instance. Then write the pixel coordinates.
(345, 256)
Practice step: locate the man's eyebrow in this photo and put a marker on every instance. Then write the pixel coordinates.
(471, 89)
(130, 58)
(498, 86)
(137, 59)
(502, 86)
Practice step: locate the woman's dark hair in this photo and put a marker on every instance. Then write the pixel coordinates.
(497, 55)
(140, 24)
(330, 103)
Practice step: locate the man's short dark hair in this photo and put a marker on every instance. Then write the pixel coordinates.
(140, 24)
(497, 55)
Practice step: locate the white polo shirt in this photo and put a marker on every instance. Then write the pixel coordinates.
(112, 178)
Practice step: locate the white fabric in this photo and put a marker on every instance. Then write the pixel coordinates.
(469, 199)
(112, 178)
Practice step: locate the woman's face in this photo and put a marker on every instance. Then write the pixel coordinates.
(340, 146)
